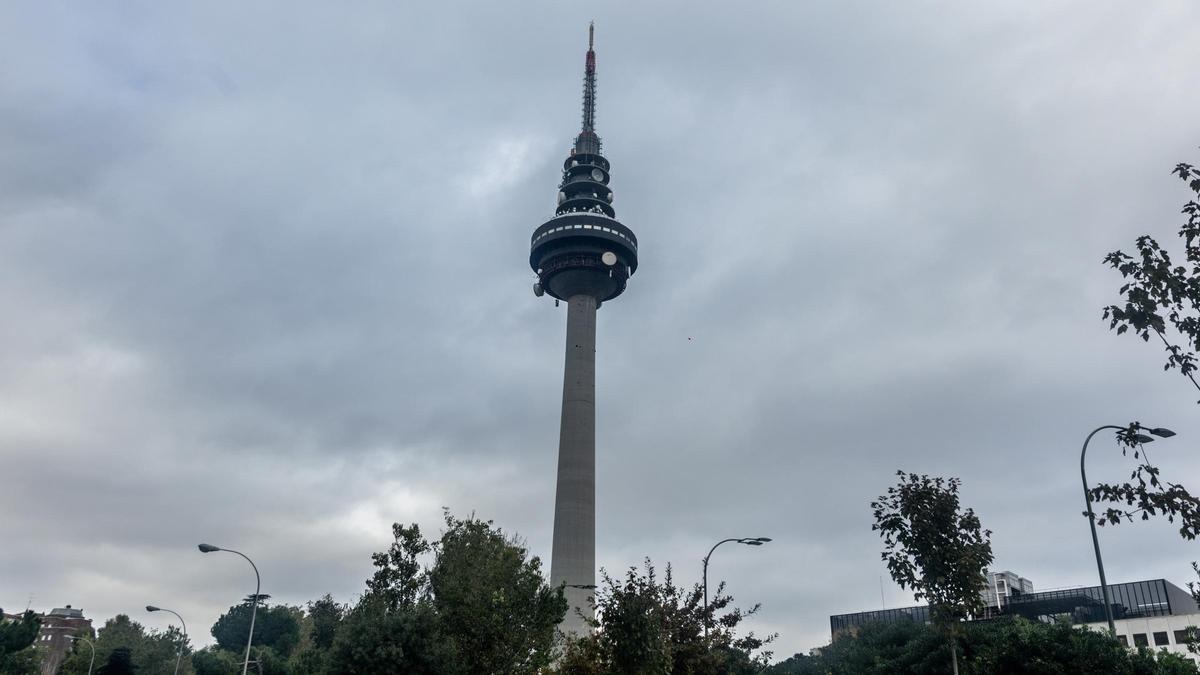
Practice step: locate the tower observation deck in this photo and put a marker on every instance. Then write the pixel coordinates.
(583, 256)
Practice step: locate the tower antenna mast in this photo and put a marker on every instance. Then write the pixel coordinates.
(589, 84)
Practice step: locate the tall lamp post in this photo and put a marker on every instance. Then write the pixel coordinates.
(179, 654)
(748, 541)
(89, 643)
(209, 548)
(1087, 496)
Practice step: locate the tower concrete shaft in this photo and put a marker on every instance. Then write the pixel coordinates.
(573, 561)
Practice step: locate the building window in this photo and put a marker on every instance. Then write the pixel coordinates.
(1186, 635)
(1139, 640)
(1123, 640)
(1161, 639)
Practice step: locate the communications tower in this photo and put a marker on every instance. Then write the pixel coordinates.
(584, 257)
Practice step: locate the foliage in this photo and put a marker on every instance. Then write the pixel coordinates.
(645, 625)
(1162, 298)
(24, 662)
(1192, 633)
(483, 606)
(1146, 493)
(903, 647)
(150, 653)
(17, 653)
(1003, 647)
(319, 625)
(119, 662)
(473, 602)
(277, 627)
(325, 615)
(216, 661)
(399, 577)
(375, 640)
(933, 548)
(493, 606)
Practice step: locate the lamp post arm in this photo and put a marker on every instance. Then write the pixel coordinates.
(91, 646)
(705, 575)
(180, 620)
(1087, 497)
(179, 652)
(253, 607)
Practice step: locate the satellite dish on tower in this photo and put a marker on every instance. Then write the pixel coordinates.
(609, 258)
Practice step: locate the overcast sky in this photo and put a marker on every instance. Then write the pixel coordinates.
(264, 273)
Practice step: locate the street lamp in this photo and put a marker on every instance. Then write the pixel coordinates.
(748, 541)
(209, 548)
(1087, 496)
(179, 654)
(92, 662)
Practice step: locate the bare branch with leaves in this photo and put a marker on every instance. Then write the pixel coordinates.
(1162, 298)
(1146, 494)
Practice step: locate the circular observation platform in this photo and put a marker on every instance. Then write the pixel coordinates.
(583, 254)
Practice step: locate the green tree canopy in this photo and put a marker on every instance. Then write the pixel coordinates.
(933, 548)
(493, 606)
(649, 625)
(17, 653)
(277, 627)
(481, 606)
(151, 653)
(119, 662)
(216, 661)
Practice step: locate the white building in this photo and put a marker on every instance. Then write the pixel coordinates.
(1156, 632)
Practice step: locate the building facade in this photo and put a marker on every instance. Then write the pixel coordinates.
(53, 638)
(1154, 613)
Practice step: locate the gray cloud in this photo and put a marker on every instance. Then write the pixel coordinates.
(264, 273)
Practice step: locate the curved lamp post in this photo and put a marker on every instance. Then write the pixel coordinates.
(1087, 496)
(89, 643)
(209, 548)
(179, 654)
(748, 541)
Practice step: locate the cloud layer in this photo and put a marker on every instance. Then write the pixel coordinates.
(264, 273)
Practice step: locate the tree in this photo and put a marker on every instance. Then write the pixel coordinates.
(1162, 298)
(493, 606)
(17, 654)
(119, 662)
(325, 616)
(151, 653)
(216, 661)
(934, 549)
(483, 606)
(276, 627)
(399, 578)
(318, 628)
(1146, 494)
(648, 625)
(377, 640)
